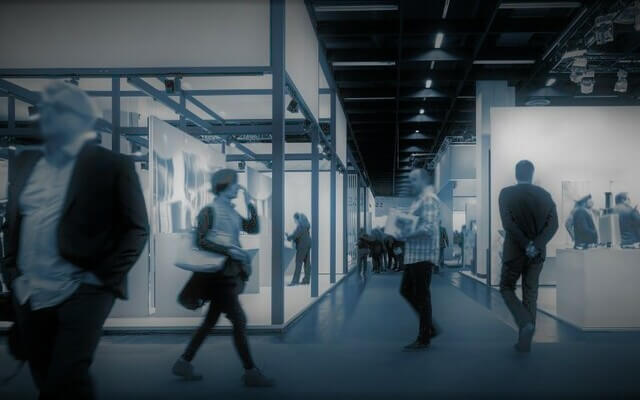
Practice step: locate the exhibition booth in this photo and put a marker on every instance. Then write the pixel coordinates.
(213, 104)
(577, 152)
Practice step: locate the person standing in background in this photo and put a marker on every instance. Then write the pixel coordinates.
(388, 248)
(584, 229)
(364, 242)
(377, 250)
(529, 219)
(629, 220)
(444, 243)
(421, 256)
(302, 240)
(77, 223)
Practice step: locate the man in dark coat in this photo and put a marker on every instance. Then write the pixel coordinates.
(77, 223)
(530, 220)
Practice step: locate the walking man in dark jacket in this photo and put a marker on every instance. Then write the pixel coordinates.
(530, 220)
(77, 223)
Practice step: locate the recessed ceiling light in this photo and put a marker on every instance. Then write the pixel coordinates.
(503, 62)
(355, 8)
(363, 63)
(439, 39)
(428, 83)
(529, 5)
(422, 111)
(368, 98)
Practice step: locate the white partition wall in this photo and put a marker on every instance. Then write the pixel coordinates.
(134, 34)
(566, 144)
(301, 50)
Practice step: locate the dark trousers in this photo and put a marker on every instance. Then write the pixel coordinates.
(390, 258)
(523, 311)
(61, 342)
(363, 264)
(376, 260)
(303, 256)
(415, 288)
(224, 300)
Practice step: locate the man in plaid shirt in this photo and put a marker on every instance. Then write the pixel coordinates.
(422, 250)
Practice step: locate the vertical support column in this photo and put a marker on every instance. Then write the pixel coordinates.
(315, 212)
(365, 201)
(277, 135)
(183, 103)
(11, 112)
(345, 222)
(488, 94)
(115, 114)
(358, 206)
(332, 266)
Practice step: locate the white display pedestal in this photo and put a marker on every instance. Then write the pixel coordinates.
(598, 289)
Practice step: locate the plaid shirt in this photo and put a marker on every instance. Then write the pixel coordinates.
(425, 247)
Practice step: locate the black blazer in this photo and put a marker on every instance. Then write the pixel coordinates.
(584, 230)
(104, 224)
(528, 214)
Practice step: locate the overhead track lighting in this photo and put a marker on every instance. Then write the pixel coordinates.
(356, 8)
(439, 39)
(503, 62)
(532, 5)
(363, 63)
(293, 106)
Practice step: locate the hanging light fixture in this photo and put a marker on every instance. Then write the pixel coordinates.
(588, 82)
(622, 84)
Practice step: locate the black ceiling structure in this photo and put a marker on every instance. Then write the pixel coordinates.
(406, 69)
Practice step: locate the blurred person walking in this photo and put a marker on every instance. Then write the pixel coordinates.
(421, 256)
(77, 223)
(221, 289)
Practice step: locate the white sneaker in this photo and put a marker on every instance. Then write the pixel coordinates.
(254, 378)
(184, 369)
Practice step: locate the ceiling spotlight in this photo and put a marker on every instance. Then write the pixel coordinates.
(293, 106)
(588, 82)
(422, 111)
(439, 39)
(550, 82)
(169, 86)
(417, 131)
(428, 83)
(604, 29)
(621, 84)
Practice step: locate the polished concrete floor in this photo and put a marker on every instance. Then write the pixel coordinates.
(349, 346)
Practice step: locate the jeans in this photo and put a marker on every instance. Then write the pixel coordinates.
(376, 260)
(61, 342)
(523, 311)
(303, 256)
(415, 288)
(224, 300)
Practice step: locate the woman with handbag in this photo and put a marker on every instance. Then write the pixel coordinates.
(218, 231)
